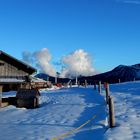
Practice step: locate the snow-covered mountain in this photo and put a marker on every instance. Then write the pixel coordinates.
(121, 73)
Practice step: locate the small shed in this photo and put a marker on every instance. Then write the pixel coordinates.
(28, 98)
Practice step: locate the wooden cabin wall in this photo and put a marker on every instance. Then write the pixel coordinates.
(10, 70)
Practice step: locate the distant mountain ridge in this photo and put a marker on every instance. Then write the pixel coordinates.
(121, 73)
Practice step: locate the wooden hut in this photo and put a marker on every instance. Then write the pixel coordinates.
(13, 72)
(28, 98)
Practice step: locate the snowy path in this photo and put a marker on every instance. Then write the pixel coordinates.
(60, 112)
(127, 112)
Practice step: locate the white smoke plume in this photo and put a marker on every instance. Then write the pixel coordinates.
(76, 64)
(41, 59)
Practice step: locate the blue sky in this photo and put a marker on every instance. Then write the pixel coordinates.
(109, 30)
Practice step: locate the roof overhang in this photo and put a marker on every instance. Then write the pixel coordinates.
(17, 63)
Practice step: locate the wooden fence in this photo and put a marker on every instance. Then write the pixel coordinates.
(109, 102)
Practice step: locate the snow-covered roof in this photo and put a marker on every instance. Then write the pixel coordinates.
(11, 80)
(34, 79)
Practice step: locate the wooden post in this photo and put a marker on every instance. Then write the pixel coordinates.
(100, 87)
(78, 83)
(70, 84)
(119, 80)
(107, 91)
(134, 79)
(1, 87)
(76, 80)
(55, 79)
(111, 112)
(85, 83)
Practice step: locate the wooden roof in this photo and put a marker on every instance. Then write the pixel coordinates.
(17, 63)
(27, 93)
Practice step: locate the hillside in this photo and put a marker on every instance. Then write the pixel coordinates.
(121, 73)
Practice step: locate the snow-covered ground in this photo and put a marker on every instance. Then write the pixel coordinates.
(127, 112)
(60, 112)
(75, 114)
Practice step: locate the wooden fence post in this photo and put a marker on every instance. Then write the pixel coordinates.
(119, 80)
(134, 79)
(107, 91)
(70, 84)
(111, 112)
(1, 87)
(78, 83)
(100, 87)
(85, 83)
